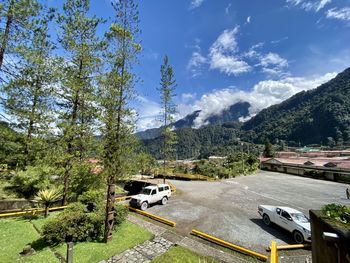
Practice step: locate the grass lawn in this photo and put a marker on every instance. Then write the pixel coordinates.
(179, 254)
(126, 236)
(16, 233)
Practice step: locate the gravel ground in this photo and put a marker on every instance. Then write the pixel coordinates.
(228, 209)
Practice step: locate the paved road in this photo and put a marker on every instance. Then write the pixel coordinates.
(228, 209)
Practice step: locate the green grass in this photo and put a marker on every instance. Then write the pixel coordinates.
(126, 236)
(179, 254)
(15, 234)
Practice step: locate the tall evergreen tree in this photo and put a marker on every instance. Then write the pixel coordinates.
(166, 90)
(116, 90)
(15, 29)
(18, 16)
(29, 94)
(76, 92)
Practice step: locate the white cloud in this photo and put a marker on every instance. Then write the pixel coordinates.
(273, 64)
(248, 19)
(148, 114)
(196, 62)
(185, 97)
(341, 14)
(223, 54)
(227, 9)
(262, 95)
(315, 5)
(196, 3)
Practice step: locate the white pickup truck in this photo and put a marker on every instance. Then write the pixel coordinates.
(288, 218)
(151, 194)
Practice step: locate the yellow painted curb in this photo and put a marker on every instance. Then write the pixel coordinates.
(158, 218)
(274, 253)
(286, 247)
(229, 245)
(32, 211)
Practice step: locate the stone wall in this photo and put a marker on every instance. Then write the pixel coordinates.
(325, 251)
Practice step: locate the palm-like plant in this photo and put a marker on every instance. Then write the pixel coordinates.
(47, 197)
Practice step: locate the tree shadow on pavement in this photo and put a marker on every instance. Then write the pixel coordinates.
(274, 230)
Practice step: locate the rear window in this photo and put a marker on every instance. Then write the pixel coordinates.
(161, 189)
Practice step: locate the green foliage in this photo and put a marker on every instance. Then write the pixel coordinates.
(120, 214)
(338, 212)
(78, 222)
(48, 196)
(167, 93)
(92, 198)
(83, 178)
(307, 117)
(268, 150)
(28, 182)
(75, 222)
(234, 165)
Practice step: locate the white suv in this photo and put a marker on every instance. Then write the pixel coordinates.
(151, 194)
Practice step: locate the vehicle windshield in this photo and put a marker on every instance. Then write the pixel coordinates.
(299, 217)
(146, 191)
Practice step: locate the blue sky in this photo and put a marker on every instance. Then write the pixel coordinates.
(225, 51)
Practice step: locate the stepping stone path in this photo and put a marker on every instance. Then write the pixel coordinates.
(144, 252)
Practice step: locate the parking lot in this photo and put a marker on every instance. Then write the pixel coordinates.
(228, 209)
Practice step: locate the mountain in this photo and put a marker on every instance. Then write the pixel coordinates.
(318, 116)
(232, 114)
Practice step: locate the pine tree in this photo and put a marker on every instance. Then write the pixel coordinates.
(76, 92)
(18, 23)
(268, 150)
(166, 90)
(29, 95)
(116, 90)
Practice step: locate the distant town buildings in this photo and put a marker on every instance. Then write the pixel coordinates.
(331, 165)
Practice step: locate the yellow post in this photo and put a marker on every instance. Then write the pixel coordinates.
(273, 254)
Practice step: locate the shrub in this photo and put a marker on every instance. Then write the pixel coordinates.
(120, 214)
(92, 199)
(338, 212)
(75, 222)
(80, 224)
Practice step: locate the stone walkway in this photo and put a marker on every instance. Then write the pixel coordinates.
(189, 243)
(163, 241)
(144, 252)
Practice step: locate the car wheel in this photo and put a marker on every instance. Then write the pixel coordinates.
(298, 237)
(164, 200)
(266, 219)
(144, 206)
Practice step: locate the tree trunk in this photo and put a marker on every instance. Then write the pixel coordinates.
(6, 33)
(109, 221)
(46, 210)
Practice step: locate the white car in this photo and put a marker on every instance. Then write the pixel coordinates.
(151, 194)
(288, 218)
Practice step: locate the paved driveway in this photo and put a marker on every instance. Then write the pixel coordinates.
(228, 209)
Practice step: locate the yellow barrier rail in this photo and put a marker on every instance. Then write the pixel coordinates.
(229, 245)
(32, 211)
(172, 187)
(123, 198)
(287, 247)
(158, 218)
(274, 253)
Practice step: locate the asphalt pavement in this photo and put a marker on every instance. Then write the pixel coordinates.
(228, 209)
